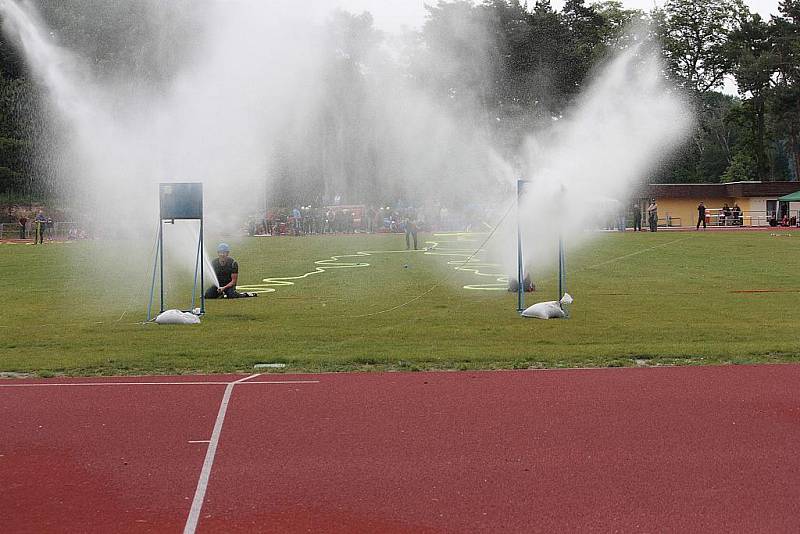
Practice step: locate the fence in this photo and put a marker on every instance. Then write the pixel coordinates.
(717, 217)
(59, 231)
(10, 230)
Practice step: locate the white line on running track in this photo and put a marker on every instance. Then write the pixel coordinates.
(205, 473)
(245, 379)
(208, 463)
(76, 384)
(80, 384)
(281, 382)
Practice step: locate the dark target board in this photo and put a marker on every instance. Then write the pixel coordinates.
(181, 201)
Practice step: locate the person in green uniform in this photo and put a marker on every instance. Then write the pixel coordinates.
(637, 217)
(652, 215)
(39, 225)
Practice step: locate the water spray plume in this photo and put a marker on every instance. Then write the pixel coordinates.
(250, 95)
(587, 166)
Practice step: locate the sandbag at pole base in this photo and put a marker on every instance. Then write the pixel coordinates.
(549, 310)
(177, 317)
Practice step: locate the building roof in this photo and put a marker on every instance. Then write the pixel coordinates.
(726, 190)
(791, 197)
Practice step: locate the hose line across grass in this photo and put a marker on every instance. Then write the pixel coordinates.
(470, 265)
(467, 265)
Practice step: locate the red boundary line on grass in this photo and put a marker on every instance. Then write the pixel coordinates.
(765, 291)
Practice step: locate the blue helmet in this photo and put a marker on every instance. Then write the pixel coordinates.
(223, 247)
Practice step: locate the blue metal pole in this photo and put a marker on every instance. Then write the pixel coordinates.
(161, 249)
(202, 271)
(561, 274)
(562, 267)
(196, 265)
(153, 282)
(520, 289)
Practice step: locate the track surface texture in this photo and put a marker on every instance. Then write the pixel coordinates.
(689, 449)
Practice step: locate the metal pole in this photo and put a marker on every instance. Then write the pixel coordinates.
(196, 264)
(561, 274)
(161, 250)
(202, 271)
(562, 271)
(520, 289)
(153, 282)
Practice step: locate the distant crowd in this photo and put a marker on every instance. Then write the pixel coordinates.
(40, 226)
(308, 220)
(27, 224)
(727, 216)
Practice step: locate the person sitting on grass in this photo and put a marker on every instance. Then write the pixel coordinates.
(227, 271)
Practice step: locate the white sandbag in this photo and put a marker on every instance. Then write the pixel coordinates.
(177, 317)
(548, 310)
(544, 310)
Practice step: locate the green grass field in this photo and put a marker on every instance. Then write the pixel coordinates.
(666, 298)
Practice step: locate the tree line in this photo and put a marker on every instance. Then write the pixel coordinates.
(501, 67)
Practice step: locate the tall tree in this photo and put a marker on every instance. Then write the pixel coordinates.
(617, 20)
(460, 55)
(694, 36)
(785, 98)
(752, 58)
(716, 148)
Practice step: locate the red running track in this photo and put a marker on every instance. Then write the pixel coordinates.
(101, 459)
(686, 449)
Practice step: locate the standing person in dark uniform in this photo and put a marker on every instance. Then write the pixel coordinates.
(727, 213)
(227, 271)
(701, 216)
(39, 224)
(737, 215)
(411, 230)
(652, 215)
(370, 216)
(23, 233)
(297, 221)
(637, 217)
(331, 222)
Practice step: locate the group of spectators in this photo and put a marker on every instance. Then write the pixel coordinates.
(727, 216)
(307, 220)
(33, 224)
(40, 226)
(652, 216)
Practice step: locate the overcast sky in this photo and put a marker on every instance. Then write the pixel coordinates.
(394, 14)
